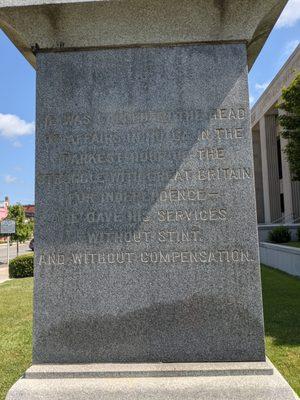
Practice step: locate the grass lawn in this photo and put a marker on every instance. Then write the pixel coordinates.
(281, 294)
(292, 244)
(282, 323)
(15, 331)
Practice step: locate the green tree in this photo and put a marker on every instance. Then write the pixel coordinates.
(290, 122)
(24, 229)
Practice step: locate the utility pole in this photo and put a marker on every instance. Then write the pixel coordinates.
(8, 244)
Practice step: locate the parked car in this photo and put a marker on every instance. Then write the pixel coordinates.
(31, 244)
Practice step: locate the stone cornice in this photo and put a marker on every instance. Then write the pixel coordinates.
(68, 25)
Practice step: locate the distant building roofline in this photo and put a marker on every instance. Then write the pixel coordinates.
(273, 92)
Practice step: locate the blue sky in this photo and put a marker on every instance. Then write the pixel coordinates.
(17, 101)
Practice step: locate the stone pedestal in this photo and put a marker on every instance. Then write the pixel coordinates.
(207, 381)
(146, 239)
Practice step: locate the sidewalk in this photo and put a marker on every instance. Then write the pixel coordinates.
(3, 273)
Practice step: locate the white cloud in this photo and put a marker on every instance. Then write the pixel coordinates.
(10, 179)
(262, 86)
(290, 15)
(11, 126)
(290, 46)
(17, 143)
(252, 100)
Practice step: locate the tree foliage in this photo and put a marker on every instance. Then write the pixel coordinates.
(24, 229)
(290, 122)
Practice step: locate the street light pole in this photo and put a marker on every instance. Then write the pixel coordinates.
(8, 242)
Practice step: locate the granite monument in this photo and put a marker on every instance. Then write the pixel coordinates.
(146, 226)
(147, 281)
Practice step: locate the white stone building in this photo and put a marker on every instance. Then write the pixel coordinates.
(277, 195)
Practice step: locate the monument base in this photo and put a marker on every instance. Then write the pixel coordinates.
(195, 381)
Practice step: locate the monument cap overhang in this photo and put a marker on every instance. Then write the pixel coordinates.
(83, 24)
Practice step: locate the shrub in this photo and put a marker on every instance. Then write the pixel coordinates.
(280, 234)
(21, 267)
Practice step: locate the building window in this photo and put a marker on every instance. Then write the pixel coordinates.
(279, 158)
(282, 202)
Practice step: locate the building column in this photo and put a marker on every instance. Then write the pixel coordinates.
(270, 173)
(296, 200)
(286, 185)
(286, 180)
(290, 188)
(258, 176)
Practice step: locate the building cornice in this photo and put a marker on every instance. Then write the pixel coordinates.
(273, 93)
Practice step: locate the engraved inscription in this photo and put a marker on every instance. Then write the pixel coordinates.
(106, 187)
(145, 230)
(222, 256)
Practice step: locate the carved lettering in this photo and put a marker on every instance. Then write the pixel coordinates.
(217, 214)
(230, 113)
(211, 153)
(224, 174)
(206, 256)
(229, 134)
